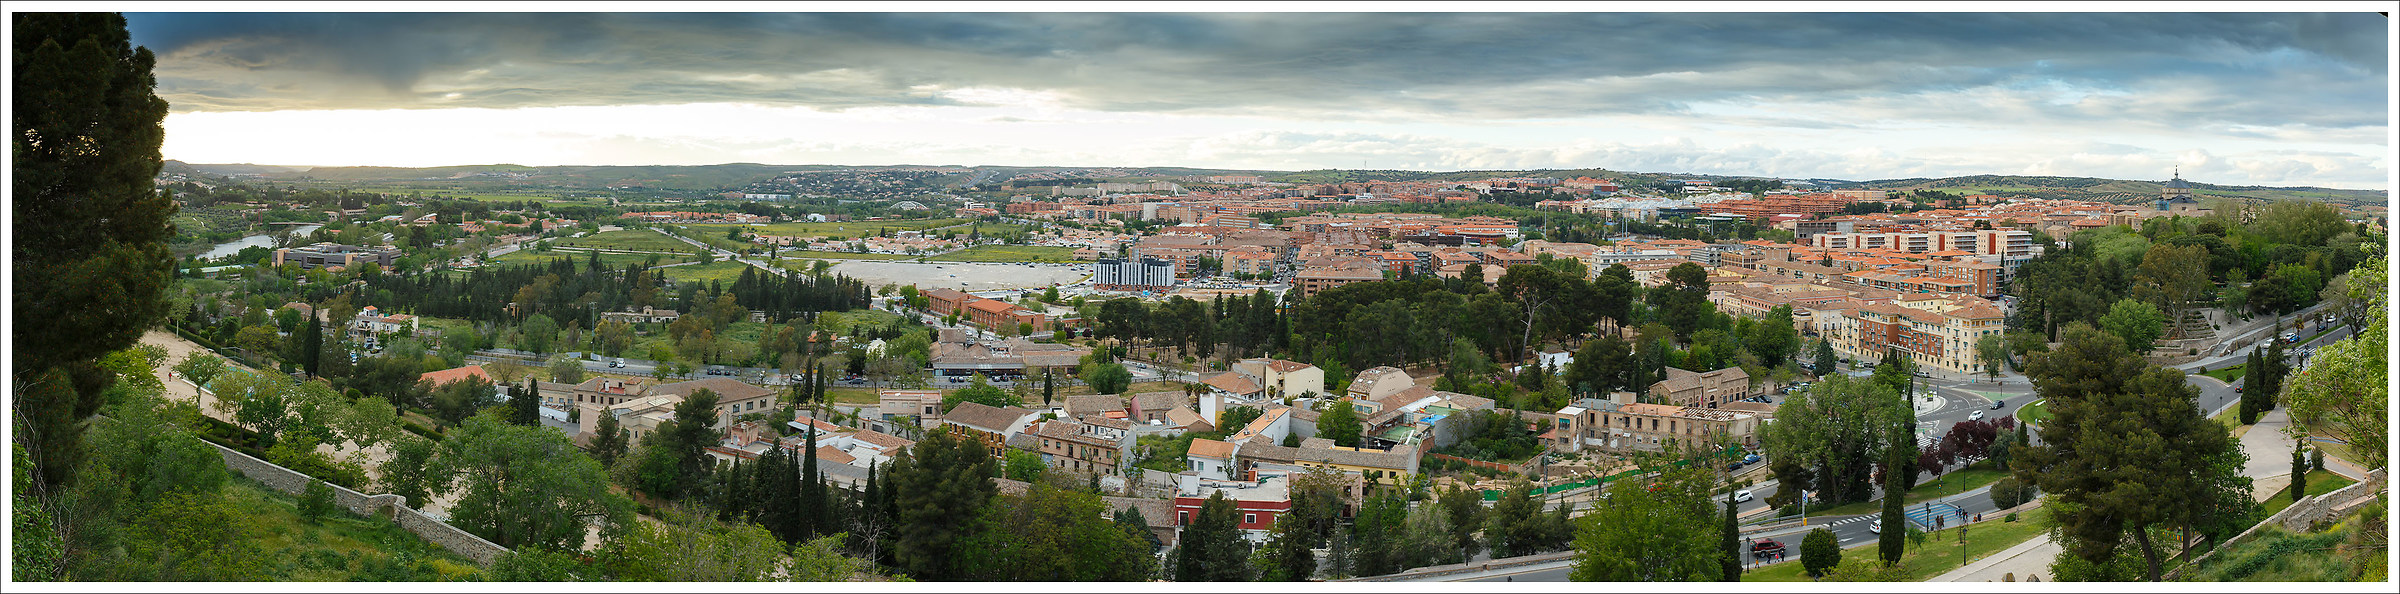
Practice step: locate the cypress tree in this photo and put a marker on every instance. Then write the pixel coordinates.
(1894, 539)
(1731, 544)
(2299, 473)
(812, 490)
(312, 345)
(525, 405)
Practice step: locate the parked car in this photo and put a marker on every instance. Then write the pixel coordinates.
(1750, 459)
(1765, 547)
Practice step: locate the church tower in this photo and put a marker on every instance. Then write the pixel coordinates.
(2176, 191)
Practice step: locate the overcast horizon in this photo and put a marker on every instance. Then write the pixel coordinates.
(2231, 99)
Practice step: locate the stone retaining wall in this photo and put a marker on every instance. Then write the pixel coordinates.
(415, 522)
(2301, 516)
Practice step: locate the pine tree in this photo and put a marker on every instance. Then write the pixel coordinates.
(90, 255)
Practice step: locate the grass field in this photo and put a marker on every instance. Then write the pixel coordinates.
(450, 194)
(2319, 483)
(1008, 253)
(843, 229)
(341, 547)
(840, 322)
(1940, 553)
(724, 272)
(613, 261)
(2033, 413)
(1951, 483)
(2230, 375)
(631, 239)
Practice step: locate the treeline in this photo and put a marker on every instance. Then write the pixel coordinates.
(561, 290)
(2276, 263)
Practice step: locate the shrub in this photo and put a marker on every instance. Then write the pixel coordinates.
(2012, 517)
(2316, 458)
(316, 501)
(1819, 552)
(2007, 493)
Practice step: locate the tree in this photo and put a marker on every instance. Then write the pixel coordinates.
(1826, 363)
(2299, 488)
(525, 404)
(675, 461)
(1211, 548)
(201, 367)
(2007, 492)
(2343, 386)
(1819, 552)
(1600, 366)
(1021, 465)
(1829, 438)
(2119, 429)
(1774, 338)
(566, 370)
(939, 486)
(688, 546)
(1993, 349)
(90, 260)
(1340, 423)
(1683, 301)
(1891, 542)
(608, 440)
(614, 337)
(1107, 378)
(312, 341)
(1729, 544)
(2171, 276)
(981, 392)
(316, 501)
(523, 486)
(2138, 324)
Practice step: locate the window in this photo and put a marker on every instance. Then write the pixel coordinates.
(1183, 517)
(1249, 518)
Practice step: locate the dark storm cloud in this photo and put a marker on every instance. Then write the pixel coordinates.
(2322, 70)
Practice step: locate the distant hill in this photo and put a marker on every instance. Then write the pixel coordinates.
(729, 176)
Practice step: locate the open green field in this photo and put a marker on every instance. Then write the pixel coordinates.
(631, 239)
(840, 322)
(2319, 483)
(481, 196)
(842, 229)
(1975, 476)
(724, 272)
(611, 260)
(1940, 554)
(2034, 413)
(341, 547)
(1008, 253)
(2230, 375)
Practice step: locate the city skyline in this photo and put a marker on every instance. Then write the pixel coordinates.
(2234, 99)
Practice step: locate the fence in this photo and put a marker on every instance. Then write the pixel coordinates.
(2300, 516)
(415, 522)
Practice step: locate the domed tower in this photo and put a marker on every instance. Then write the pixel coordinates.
(2177, 191)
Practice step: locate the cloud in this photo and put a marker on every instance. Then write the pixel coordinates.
(1472, 66)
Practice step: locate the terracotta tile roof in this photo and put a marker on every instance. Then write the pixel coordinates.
(455, 374)
(1232, 382)
(984, 417)
(1210, 448)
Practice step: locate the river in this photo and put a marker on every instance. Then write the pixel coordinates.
(265, 240)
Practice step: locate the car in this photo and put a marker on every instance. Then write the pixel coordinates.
(2237, 387)
(1736, 465)
(1975, 416)
(1750, 459)
(1996, 404)
(1876, 527)
(1743, 496)
(1765, 548)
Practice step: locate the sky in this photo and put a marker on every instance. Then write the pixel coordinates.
(2291, 99)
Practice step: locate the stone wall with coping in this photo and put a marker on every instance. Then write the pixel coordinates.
(415, 522)
(2301, 516)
